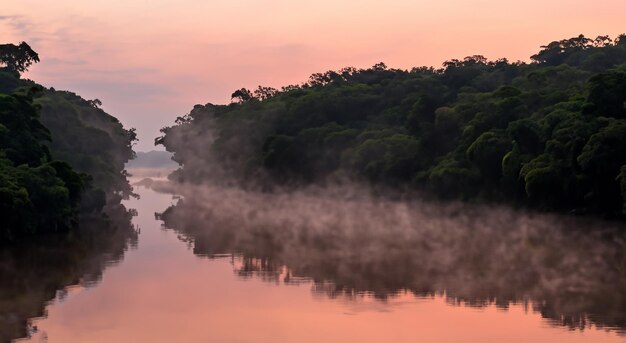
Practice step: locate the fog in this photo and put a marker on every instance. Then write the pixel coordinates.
(350, 239)
(349, 242)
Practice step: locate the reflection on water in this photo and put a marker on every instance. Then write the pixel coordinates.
(364, 280)
(570, 270)
(34, 272)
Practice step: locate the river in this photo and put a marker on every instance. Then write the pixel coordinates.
(226, 280)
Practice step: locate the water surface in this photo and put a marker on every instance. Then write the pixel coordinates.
(297, 269)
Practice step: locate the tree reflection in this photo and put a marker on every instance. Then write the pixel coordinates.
(571, 270)
(34, 272)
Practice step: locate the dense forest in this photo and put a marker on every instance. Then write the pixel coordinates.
(550, 134)
(60, 155)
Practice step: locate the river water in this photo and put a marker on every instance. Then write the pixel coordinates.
(219, 278)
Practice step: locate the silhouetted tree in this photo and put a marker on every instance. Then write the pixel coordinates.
(18, 57)
(96, 103)
(263, 93)
(242, 95)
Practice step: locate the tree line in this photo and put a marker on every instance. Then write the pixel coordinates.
(549, 134)
(60, 155)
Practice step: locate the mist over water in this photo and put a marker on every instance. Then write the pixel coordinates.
(300, 199)
(349, 242)
(330, 265)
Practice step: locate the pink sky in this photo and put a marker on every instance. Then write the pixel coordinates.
(150, 61)
(162, 292)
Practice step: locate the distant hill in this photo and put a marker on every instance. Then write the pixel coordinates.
(152, 159)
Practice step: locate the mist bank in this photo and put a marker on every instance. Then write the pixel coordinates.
(347, 242)
(550, 134)
(152, 160)
(61, 156)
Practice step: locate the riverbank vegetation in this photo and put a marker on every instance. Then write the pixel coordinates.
(60, 155)
(548, 134)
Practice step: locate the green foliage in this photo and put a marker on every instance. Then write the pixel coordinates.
(388, 159)
(542, 181)
(21, 132)
(17, 57)
(451, 179)
(37, 194)
(601, 159)
(608, 94)
(548, 134)
(487, 152)
(105, 145)
(59, 154)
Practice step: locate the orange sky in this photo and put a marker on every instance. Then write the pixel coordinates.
(150, 61)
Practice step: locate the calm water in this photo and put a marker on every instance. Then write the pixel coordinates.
(240, 268)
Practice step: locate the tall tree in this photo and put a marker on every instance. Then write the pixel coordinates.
(18, 57)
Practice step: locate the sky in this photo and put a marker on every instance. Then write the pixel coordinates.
(150, 61)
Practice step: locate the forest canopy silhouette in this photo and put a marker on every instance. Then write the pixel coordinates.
(549, 134)
(60, 155)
